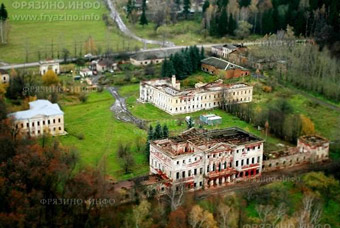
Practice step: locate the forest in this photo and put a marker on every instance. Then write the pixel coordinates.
(307, 68)
(309, 18)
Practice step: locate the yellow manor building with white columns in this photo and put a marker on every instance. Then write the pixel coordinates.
(167, 95)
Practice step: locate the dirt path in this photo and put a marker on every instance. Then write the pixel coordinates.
(122, 27)
(121, 111)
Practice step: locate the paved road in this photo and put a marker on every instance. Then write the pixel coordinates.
(121, 25)
(121, 111)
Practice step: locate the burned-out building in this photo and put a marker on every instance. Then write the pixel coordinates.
(309, 149)
(200, 159)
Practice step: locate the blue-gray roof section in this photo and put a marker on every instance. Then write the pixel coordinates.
(38, 108)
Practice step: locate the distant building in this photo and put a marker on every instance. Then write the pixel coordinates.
(42, 117)
(85, 72)
(154, 57)
(225, 50)
(103, 65)
(309, 149)
(201, 159)
(216, 66)
(4, 77)
(211, 119)
(166, 95)
(49, 65)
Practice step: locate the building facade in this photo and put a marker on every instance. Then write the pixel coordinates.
(200, 159)
(41, 118)
(49, 65)
(166, 95)
(4, 77)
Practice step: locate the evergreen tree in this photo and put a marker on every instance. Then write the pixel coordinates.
(205, 6)
(143, 19)
(3, 13)
(202, 55)
(158, 132)
(190, 123)
(213, 30)
(130, 6)
(170, 69)
(147, 147)
(164, 72)
(178, 4)
(231, 25)
(223, 23)
(3, 18)
(150, 133)
(165, 131)
(186, 8)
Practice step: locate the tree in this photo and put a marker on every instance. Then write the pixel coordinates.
(307, 125)
(16, 86)
(174, 195)
(158, 134)
(165, 131)
(50, 78)
(141, 214)
(231, 25)
(223, 22)
(66, 54)
(3, 109)
(143, 20)
(177, 218)
(130, 6)
(190, 123)
(205, 5)
(90, 46)
(127, 160)
(186, 8)
(243, 29)
(201, 218)
(150, 137)
(3, 19)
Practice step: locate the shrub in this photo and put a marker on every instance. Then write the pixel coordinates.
(80, 136)
(83, 97)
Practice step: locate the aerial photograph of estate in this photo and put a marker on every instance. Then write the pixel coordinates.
(170, 113)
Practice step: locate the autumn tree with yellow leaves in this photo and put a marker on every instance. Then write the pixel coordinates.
(50, 78)
(90, 46)
(307, 125)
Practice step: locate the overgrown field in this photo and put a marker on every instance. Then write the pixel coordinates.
(62, 24)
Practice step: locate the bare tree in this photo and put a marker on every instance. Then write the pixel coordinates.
(310, 214)
(224, 212)
(174, 195)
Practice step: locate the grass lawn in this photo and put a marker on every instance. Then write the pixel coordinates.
(37, 32)
(102, 135)
(154, 115)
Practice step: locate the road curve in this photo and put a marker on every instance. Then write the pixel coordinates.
(122, 27)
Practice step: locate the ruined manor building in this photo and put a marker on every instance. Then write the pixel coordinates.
(166, 95)
(201, 158)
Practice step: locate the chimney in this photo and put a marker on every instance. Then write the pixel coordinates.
(173, 81)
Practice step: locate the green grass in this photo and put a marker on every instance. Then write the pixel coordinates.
(37, 35)
(102, 135)
(154, 115)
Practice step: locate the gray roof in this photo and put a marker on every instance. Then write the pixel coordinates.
(3, 72)
(161, 54)
(220, 63)
(38, 107)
